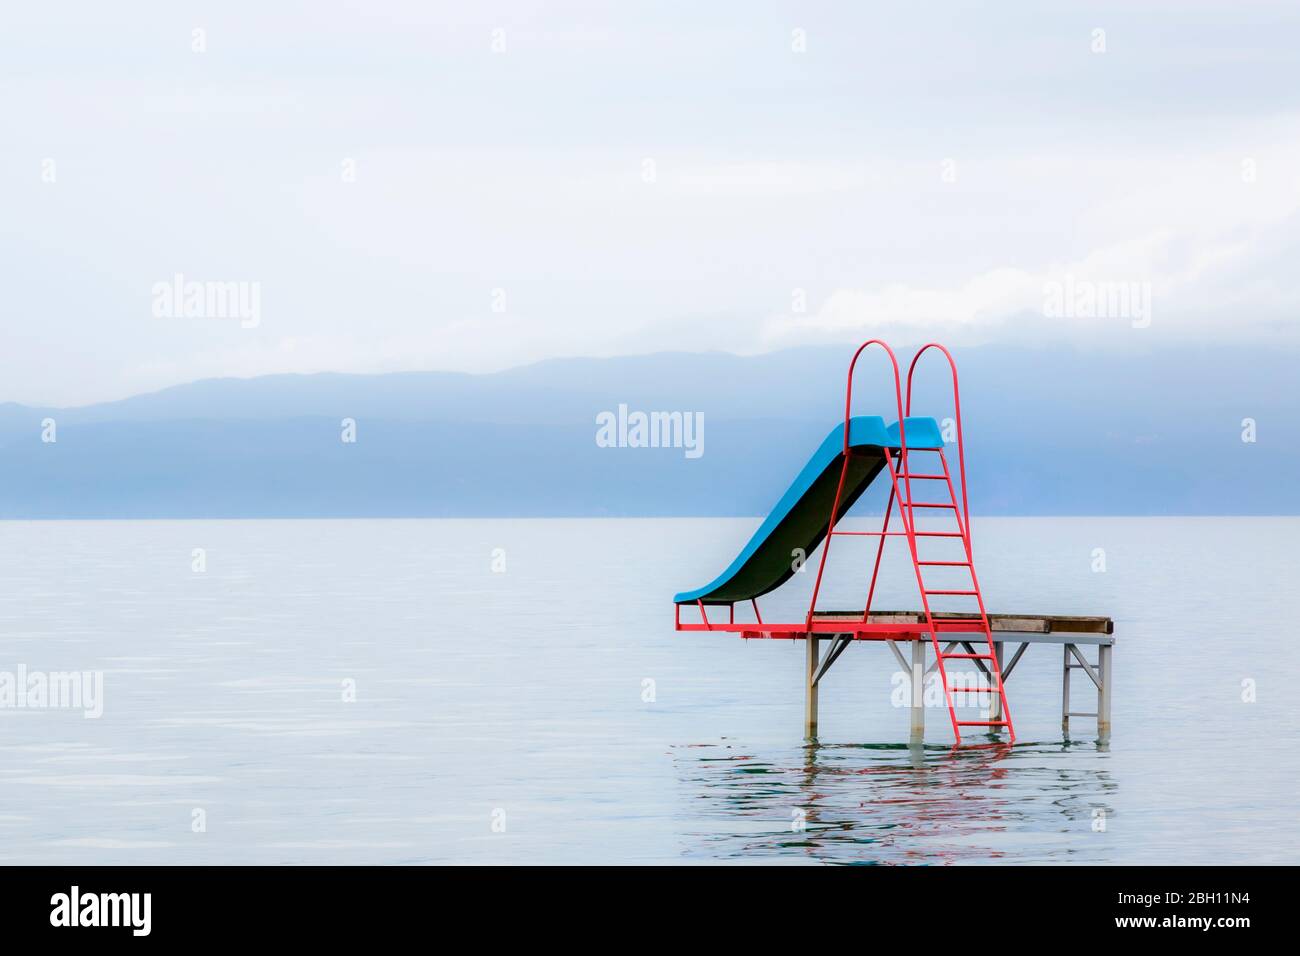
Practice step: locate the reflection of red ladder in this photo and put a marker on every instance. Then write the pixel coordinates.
(986, 661)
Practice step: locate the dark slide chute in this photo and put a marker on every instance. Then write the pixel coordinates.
(800, 519)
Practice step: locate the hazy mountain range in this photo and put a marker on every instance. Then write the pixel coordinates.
(1048, 432)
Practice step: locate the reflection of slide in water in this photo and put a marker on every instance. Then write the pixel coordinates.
(893, 804)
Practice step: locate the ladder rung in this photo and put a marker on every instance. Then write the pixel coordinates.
(926, 504)
(902, 534)
(983, 723)
(872, 534)
(926, 477)
(952, 592)
(969, 657)
(946, 564)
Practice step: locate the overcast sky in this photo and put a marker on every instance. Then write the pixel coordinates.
(630, 177)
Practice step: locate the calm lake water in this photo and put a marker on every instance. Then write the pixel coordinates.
(375, 692)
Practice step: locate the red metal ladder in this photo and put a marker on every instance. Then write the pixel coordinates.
(907, 506)
(937, 624)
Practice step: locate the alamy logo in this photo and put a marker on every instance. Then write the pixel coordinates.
(1081, 299)
(182, 299)
(967, 690)
(626, 429)
(54, 690)
(102, 909)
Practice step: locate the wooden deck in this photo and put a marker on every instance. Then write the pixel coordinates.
(1011, 623)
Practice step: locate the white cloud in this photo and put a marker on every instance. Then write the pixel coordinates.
(1219, 273)
(776, 172)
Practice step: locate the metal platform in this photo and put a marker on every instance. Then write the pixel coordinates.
(1070, 632)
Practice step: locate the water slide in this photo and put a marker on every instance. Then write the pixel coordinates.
(802, 516)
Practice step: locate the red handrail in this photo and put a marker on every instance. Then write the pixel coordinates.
(844, 469)
(956, 400)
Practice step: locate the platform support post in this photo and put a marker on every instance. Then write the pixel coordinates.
(1103, 692)
(810, 688)
(1065, 688)
(918, 690)
(995, 699)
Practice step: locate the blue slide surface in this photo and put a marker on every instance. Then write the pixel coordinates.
(800, 519)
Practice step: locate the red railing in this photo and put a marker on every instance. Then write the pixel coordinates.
(956, 401)
(844, 468)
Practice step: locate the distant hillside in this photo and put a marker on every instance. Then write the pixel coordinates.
(1048, 432)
